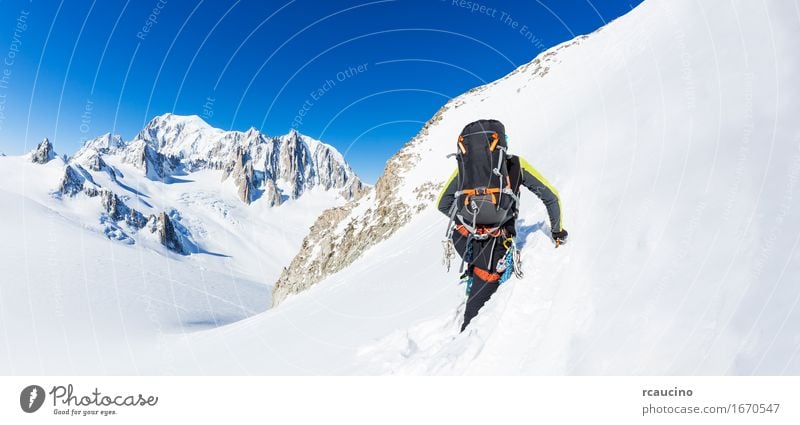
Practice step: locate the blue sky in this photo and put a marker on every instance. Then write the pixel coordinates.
(369, 70)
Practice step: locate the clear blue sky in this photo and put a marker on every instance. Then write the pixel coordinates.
(74, 70)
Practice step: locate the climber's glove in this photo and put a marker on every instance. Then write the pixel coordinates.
(560, 238)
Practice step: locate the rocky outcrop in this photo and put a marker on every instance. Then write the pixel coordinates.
(167, 235)
(354, 191)
(96, 163)
(142, 156)
(244, 181)
(118, 214)
(271, 194)
(104, 145)
(112, 204)
(295, 165)
(90, 155)
(243, 176)
(135, 219)
(43, 153)
(117, 210)
(289, 159)
(339, 237)
(306, 163)
(91, 192)
(322, 253)
(72, 182)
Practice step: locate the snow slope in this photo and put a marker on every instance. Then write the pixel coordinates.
(75, 302)
(672, 137)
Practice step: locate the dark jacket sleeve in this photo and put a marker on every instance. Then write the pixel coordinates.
(446, 196)
(545, 191)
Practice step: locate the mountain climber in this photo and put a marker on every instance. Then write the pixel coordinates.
(481, 198)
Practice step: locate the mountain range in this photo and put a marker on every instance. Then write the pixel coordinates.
(170, 149)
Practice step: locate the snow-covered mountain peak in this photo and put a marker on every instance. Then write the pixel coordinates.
(43, 153)
(91, 153)
(191, 122)
(179, 135)
(107, 143)
(313, 144)
(293, 136)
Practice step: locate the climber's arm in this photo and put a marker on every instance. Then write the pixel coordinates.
(545, 191)
(446, 198)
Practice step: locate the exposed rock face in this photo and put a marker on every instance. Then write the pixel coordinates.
(318, 256)
(43, 153)
(257, 166)
(155, 165)
(96, 163)
(71, 183)
(271, 195)
(90, 155)
(355, 190)
(111, 203)
(307, 163)
(295, 161)
(104, 145)
(244, 181)
(135, 219)
(118, 210)
(163, 227)
(241, 171)
(339, 237)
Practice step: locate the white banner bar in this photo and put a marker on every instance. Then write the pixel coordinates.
(401, 400)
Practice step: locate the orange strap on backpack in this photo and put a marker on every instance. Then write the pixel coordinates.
(480, 230)
(495, 139)
(485, 275)
(487, 191)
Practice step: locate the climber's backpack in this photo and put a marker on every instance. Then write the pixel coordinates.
(484, 199)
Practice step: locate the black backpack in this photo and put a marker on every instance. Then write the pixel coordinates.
(484, 200)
